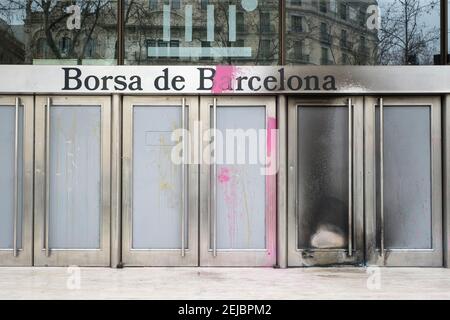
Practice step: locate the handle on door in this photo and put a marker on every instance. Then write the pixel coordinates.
(16, 176)
(381, 104)
(213, 180)
(47, 178)
(183, 178)
(350, 179)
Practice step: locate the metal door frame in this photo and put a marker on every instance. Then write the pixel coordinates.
(62, 257)
(234, 257)
(23, 256)
(404, 257)
(322, 257)
(158, 257)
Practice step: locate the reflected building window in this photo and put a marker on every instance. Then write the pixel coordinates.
(265, 22)
(65, 45)
(42, 49)
(204, 4)
(299, 52)
(325, 36)
(325, 56)
(297, 23)
(153, 4)
(174, 47)
(90, 49)
(323, 6)
(343, 11)
(176, 4)
(240, 21)
(265, 48)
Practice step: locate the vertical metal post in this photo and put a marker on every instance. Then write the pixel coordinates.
(116, 181)
(282, 186)
(183, 179)
(16, 176)
(282, 32)
(120, 32)
(444, 32)
(47, 178)
(350, 179)
(213, 180)
(381, 177)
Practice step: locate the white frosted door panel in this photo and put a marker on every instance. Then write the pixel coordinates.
(156, 179)
(7, 158)
(241, 198)
(75, 172)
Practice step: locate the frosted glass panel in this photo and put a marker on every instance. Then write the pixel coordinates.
(322, 177)
(7, 131)
(75, 184)
(407, 177)
(156, 179)
(240, 187)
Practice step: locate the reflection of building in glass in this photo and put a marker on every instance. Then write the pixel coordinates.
(247, 32)
(201, 32)
(330, 32)
(49, 37)
(11, 48)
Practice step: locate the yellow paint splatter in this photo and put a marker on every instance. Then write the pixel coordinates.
(163, 185)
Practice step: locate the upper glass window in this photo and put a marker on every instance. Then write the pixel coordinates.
(201, 32)
(58, 32)
(244, 32)
(363, 32)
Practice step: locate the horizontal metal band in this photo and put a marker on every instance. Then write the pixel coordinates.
(224, 79)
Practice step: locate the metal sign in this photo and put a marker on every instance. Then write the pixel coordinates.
(224, 79)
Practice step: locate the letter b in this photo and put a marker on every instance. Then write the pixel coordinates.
(68, 77)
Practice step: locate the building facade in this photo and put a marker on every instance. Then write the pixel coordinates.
(224, 133)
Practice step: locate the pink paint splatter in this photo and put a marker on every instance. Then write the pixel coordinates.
(229, 185)
(271, 189)
(271, 135)
(224, 175)
(223, 79)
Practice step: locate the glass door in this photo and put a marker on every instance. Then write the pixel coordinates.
(160, 181)
(238, 181)
(403, 181)
(72, 181)
(16, 180)
(325, 181)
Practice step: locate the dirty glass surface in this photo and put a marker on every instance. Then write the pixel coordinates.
(322, 182)
(157, 179)
(75, 177)
(7, 138)
(241, 198)
(407, 177)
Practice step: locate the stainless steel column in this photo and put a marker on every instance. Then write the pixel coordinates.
(350, 178)
(16, 176)
(47, 178)
(381, 177)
